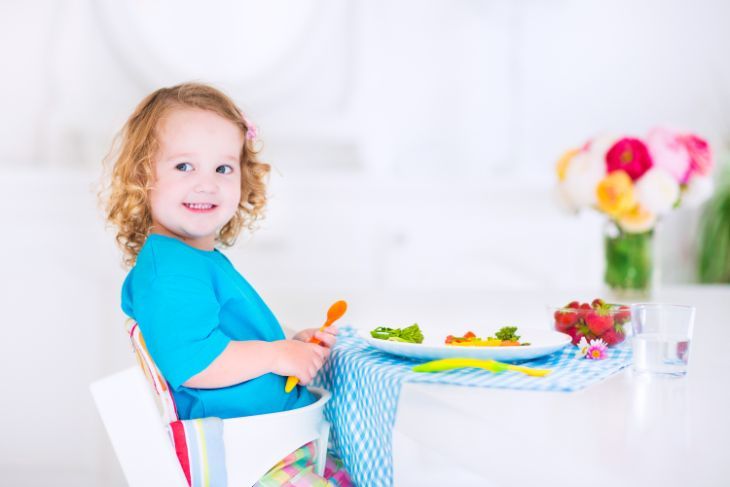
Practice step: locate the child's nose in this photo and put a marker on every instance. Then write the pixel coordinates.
(206, 185)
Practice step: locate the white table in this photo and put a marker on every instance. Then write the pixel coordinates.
(627, 430)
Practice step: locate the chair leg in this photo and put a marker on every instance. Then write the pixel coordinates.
(322, 443)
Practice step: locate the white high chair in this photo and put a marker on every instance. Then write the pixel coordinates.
(142, 442)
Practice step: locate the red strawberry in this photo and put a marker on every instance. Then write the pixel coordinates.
(598, 322)
(623, 315)
(583, 329)
(575, 335)
(598, 303)
(565, 319)
(583, 309)
(613, 337)
(573, 304)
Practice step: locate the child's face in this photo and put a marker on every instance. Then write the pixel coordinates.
(197, 184)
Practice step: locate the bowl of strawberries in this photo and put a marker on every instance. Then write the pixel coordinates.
(599, 319)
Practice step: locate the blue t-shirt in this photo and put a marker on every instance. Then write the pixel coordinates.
(189, 304)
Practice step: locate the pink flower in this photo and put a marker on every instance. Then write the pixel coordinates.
(699, 153)
(669, 153)
(681, 155)
(597, 350)
(630, 155)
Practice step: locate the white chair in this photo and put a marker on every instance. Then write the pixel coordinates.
(142, 442)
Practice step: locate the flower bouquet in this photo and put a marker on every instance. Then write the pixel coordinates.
(634, 182)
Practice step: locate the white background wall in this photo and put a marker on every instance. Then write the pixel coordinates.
(413, 145)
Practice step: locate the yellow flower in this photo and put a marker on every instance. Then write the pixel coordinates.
(637, 220)
(615, 194)
(562, 166)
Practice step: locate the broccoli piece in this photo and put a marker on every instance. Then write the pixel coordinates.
(383, 333)
(411, 334)
(507, 333)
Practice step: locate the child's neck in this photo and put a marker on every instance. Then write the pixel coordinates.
(205, 243)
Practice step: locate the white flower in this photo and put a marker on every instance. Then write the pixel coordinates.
(560, 195)
(582, 348)
(698, 190)
(657, 190)
(599, 147)
(581, 179)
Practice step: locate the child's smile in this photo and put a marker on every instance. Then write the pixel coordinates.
(197, 185)
(200, 207)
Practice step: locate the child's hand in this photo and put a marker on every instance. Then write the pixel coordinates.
(328, 337)
(299, 359)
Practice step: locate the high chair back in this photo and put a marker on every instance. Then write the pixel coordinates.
(140, 439)
(163, 395)
(138, 411)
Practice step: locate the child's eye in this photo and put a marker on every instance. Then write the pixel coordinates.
(184, 166)
(224, 169)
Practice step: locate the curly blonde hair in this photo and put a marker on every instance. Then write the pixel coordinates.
(128, 204)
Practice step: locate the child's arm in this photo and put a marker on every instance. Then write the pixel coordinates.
(245, 360)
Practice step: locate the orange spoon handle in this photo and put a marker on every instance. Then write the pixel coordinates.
(321, 328)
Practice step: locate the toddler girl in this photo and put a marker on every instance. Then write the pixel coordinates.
(185, 181)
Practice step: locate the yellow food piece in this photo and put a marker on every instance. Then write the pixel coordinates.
(478, 343)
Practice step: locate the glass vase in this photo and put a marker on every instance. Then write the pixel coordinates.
(629, 271)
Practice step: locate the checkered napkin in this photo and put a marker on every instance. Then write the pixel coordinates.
(365, 385)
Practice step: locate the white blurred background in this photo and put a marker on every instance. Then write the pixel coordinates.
(413, 146)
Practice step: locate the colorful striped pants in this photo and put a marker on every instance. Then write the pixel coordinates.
(297, 470)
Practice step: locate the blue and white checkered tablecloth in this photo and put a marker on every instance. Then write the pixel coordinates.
(365, 385)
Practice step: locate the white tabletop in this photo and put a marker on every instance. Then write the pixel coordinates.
(627, 430)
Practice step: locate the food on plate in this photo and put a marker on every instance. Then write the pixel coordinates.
(410, 334)
(595, 320)
(505, 337)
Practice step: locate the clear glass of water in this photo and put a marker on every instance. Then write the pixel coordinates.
(662, 336)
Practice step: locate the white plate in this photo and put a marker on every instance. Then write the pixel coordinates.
(542, 342)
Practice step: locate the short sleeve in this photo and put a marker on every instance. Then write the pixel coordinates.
(179, 320)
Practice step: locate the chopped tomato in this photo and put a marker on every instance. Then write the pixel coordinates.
(471, 340)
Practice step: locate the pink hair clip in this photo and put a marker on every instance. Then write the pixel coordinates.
(250, 129)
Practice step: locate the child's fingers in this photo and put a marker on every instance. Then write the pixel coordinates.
(326, 338)
(322, 352)
(304, 335)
